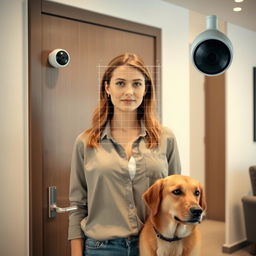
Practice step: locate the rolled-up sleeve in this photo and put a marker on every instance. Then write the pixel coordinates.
(77, 191)
(173, 158)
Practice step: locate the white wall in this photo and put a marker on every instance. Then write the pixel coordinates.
(197, 24)
(197, 106)
(13, 129)
(240, 148)
(173, 21)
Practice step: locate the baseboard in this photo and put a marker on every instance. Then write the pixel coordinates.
(234, 247)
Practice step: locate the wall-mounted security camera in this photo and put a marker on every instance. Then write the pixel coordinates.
(59, 58)
(212, 51)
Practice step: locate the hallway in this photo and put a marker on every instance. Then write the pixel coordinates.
(213, 237)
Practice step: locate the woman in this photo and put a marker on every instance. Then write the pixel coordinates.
(114, 162)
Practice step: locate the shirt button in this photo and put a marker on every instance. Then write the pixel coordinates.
(130, 206)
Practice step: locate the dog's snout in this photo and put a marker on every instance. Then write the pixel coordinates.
(196, 212)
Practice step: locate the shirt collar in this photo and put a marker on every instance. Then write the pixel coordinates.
(107, 132)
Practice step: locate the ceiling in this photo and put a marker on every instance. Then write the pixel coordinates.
(224, 10)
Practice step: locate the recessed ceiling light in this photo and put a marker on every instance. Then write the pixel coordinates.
(237, 9)
(239, 1)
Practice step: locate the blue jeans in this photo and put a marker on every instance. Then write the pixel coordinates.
(115, 247)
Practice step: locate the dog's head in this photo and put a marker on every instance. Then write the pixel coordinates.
(179, 196)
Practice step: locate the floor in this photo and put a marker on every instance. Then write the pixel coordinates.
(213, 237)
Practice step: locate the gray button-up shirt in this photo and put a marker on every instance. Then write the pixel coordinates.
(110, 203)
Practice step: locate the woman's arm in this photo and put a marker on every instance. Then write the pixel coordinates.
(77, 194)
(77, 247)
(173, 157)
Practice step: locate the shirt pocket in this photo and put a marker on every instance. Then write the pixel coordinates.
(156, 166)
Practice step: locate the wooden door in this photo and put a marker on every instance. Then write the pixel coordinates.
(215, 147)
(68, 97)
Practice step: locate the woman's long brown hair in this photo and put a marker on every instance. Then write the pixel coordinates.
(105, 109)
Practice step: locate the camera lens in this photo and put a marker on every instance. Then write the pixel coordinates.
(212, 56)
(62, 57)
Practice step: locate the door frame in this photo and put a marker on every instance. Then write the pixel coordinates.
(36, 8)
(215, 146)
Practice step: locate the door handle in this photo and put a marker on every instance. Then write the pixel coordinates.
(52, 205)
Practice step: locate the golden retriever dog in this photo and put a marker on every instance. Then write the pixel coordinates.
(177, 205)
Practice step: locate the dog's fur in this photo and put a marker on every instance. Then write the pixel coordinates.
(171, 201)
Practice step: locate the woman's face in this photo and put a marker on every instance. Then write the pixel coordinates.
(127, 88)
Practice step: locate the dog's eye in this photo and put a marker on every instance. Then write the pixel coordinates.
(197, 193)
(177, 192)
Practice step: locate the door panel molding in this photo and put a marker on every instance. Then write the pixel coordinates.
(74, 13)
(36, 8)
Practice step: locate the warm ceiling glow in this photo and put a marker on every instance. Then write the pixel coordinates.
(237, 9)
(239, 1)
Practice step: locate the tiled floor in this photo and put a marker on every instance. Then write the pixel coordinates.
(213, 237)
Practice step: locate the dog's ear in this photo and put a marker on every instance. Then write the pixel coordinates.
(153, 196)
(202, 200)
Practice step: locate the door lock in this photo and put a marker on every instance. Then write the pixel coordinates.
(52, 205)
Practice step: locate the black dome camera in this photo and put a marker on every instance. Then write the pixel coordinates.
(212, 51)
(59, 58)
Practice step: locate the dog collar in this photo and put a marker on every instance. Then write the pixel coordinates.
(167, 239)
